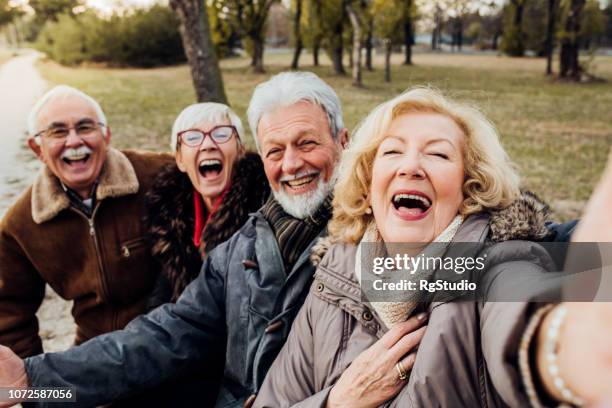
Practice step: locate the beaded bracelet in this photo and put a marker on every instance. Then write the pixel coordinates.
(551, 345)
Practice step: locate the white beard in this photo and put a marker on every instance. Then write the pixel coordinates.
(303, 205)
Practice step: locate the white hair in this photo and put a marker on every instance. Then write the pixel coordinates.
(61, 92)
(306, 204)
(211, 112)
(288, 88)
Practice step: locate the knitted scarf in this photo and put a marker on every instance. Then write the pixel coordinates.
(292, 234)
(392, 313)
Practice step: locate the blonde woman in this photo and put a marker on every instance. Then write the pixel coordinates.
(423, 169)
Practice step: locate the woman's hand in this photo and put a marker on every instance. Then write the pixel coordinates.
(12, 372)
(584, 355)
(372, 378)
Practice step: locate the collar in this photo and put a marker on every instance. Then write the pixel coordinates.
(117, 178)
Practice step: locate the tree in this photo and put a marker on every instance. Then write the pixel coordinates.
(199, 50)
(249, 18)
(297, 34)
(387, 26)
(513, 41)
(593, 24)
(334, 15)
(457, 10)
(408, 11)
(438, 21)
(368, 27)
(356, 52)
(569, 65)
(7, 13)
(314, 32)
(550, 35)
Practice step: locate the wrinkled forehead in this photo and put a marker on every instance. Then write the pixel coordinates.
(65, 109)
(290, 122)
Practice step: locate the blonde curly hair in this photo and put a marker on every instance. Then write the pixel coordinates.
(491, 179)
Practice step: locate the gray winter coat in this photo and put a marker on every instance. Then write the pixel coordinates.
(468, 357)
(240, 307)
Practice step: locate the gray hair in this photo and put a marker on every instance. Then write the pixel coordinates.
(197, 113)
(288, 88)
(61, 92)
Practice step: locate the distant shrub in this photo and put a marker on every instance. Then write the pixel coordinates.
(142, 38)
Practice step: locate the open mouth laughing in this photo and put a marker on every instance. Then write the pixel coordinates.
(210, 168)
(76, 157)
(411, 205)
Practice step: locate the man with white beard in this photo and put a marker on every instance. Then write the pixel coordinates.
(250, 288)
(77, 227)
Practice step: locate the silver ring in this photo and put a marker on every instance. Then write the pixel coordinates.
(400, 370)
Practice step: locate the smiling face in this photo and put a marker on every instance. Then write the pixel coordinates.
(76, 160)
(417, 177)
(209, 166)
(299, 156)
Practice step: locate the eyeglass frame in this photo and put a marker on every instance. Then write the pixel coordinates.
(37, 137)
(179, 139)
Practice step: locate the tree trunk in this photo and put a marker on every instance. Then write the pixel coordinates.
(369, 46)
(297, 33)
(408, 40)
(356, 23)
(550, 35)
(495, 42)
(437, 31)
(387, 43)
(315, 53)
(258, 50)
(518, 26)
(459, 33)
(569, 64)
(199, 50)
(337, 52)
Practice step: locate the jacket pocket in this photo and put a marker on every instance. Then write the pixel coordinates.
(130, 247)
(136, 272)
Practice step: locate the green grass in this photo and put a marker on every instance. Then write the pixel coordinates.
(559, 134)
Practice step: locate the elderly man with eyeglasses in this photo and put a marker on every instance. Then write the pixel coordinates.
(78, 227)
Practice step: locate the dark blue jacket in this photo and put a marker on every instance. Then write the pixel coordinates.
(241, 305)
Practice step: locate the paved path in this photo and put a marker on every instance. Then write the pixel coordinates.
(20, 87)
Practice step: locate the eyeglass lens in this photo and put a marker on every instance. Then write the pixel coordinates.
(83, 128)
(196, 137)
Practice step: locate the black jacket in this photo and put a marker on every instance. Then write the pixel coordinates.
(241, 305)
(170, 220)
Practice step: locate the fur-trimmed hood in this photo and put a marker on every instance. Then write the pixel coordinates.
(524, 219)
(170, 218)
(117, 178)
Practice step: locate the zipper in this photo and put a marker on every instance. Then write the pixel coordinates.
(92, 233)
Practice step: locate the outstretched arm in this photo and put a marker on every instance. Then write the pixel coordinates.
(160, 345)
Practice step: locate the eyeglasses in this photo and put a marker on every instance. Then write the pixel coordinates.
(83, 129)
(195, 137)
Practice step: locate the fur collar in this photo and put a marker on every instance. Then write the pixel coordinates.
(524, 219)
(170, 218)
(118, 178)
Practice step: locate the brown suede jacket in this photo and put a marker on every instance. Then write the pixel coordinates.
(103, 264)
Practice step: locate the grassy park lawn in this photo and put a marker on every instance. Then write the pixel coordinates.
(559, 134)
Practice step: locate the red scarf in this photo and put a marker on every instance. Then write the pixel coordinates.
(198, 205)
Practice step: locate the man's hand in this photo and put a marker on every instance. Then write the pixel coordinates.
(372, 378)
(12, 372)
(596, 222)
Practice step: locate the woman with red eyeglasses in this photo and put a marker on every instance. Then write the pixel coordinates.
(194, 205)
(202, 199)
